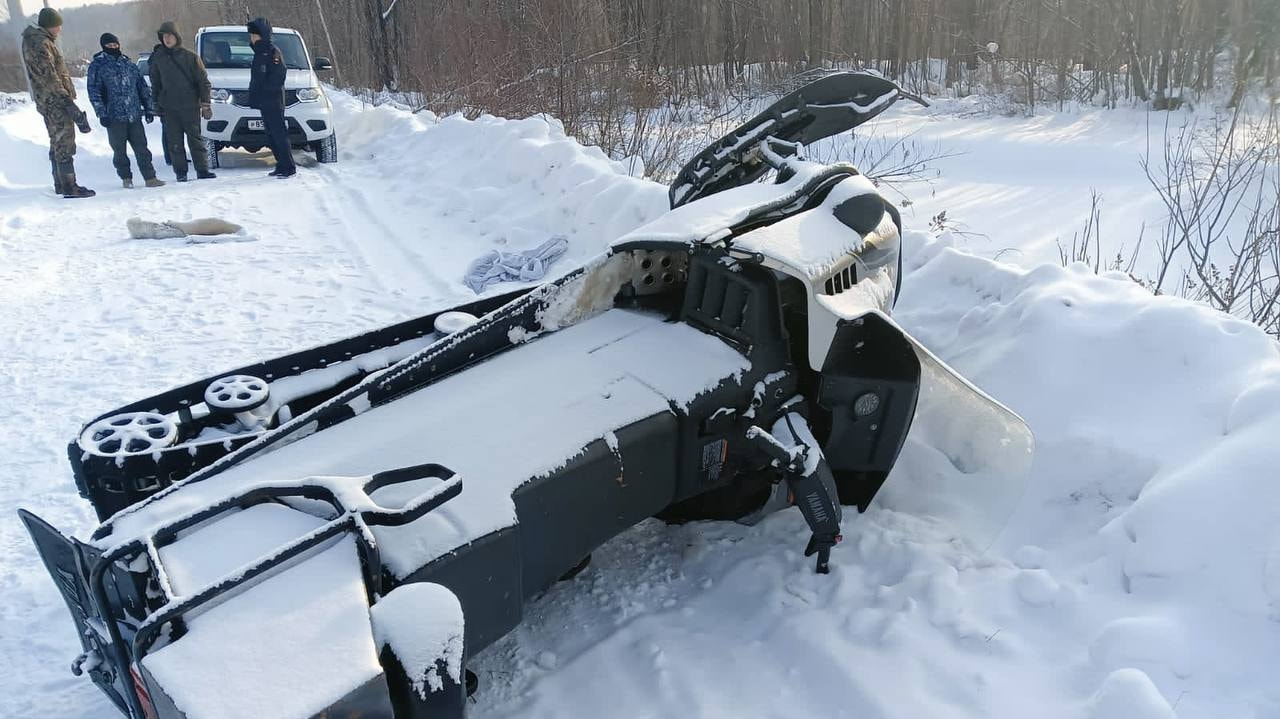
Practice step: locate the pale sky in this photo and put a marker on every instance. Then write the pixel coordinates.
(32, 7)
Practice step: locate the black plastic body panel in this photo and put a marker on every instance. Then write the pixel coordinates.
(566, 515)
(485, 575)
(868, 357)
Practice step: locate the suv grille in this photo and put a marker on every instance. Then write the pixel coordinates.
(240, 98)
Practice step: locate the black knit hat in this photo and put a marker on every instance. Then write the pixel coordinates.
(106, 39)
(49, 18)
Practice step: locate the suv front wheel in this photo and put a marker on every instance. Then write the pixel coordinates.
(211, 148)
(327, 149)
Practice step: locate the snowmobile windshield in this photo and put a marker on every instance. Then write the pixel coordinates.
(231, 50)
(966, 458)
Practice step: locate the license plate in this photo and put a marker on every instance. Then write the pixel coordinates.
(255, 124)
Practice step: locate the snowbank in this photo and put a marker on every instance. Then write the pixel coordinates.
(514, 183)
(1138, 575)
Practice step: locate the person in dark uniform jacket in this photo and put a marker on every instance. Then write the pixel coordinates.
(266, 94)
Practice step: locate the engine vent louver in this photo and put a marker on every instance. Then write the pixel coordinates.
(722, 300)
(842, 280)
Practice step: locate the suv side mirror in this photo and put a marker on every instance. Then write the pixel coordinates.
(322, 63)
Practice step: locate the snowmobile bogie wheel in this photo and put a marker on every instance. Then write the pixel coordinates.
(576, 569)
(237, 393)
(128, 434)
(450, 322)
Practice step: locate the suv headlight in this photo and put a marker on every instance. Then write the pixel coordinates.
(220, 95)
(308, 94)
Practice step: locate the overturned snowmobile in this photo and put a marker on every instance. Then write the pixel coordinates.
(333, 533)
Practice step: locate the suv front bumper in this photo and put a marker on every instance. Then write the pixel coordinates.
(307, 121)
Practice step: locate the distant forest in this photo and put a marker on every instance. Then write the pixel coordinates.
(586, 61)
(517, 57)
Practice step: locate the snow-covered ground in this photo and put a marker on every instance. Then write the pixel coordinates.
(1138, 578)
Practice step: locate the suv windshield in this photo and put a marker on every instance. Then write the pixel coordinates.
(230, 50)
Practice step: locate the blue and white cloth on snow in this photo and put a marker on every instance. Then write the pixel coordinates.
(527, 266)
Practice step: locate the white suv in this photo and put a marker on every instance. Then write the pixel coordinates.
(227, 56)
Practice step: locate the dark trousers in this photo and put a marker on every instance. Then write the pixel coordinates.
(179, 125)
(123, 135)
(277, 130)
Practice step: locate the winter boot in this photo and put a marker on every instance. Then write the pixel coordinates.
(206, 175)
(182, 178)
(155, 182)
(70, 189)
(127, 183)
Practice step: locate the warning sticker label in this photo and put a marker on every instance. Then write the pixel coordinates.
(713, 456)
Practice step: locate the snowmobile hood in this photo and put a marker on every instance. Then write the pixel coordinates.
(817, 241)
(711, 216)
(810, 244)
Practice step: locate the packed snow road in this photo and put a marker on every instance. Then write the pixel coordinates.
(1139, 577)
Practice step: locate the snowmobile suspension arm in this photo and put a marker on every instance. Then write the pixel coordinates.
(812, 486)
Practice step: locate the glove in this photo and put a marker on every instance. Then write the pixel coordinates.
(82, 122)
(103, 121)
(150, 118)
(206, 111)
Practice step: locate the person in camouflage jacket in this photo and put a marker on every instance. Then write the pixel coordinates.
(55, 99)
(121, 100)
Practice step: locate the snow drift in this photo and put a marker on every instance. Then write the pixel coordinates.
(1139, 576)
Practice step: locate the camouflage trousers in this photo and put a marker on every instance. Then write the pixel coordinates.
(62, 134)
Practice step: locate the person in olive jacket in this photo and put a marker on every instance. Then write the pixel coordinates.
(266, 94)
(180, 85)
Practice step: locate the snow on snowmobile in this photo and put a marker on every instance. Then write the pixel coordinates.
(335, 532)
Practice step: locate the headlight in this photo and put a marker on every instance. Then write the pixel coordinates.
(309, 94)
(220, 95)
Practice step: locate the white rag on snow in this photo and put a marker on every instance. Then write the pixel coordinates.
(527, 266)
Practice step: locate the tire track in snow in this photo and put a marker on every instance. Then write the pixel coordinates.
(395, 265)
